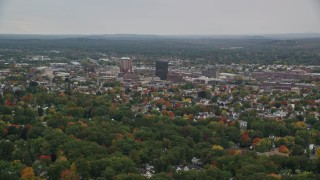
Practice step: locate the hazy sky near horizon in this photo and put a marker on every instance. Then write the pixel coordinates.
(210, 17)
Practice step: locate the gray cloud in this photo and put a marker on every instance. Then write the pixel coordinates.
(161, 16)
(14, 22)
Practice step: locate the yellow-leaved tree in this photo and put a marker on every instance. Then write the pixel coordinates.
(217, 147)
(27, 173)
(318, 152)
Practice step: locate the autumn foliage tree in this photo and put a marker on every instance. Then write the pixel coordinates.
(69, 174)
(283, 149)
(27, 173)
(256, 140)
(318, 152)
(245, 139)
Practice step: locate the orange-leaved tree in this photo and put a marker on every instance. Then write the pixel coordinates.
(27, 173)
(283, 149)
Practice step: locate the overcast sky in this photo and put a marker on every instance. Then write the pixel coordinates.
(210, 17)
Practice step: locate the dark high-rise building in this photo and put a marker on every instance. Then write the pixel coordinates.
(211, 72)
(162, 69)
(125, 65)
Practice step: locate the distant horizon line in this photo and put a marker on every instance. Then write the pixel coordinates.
(289, 36)
(147, 34)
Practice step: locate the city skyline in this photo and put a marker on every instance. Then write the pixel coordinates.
(165, 17)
